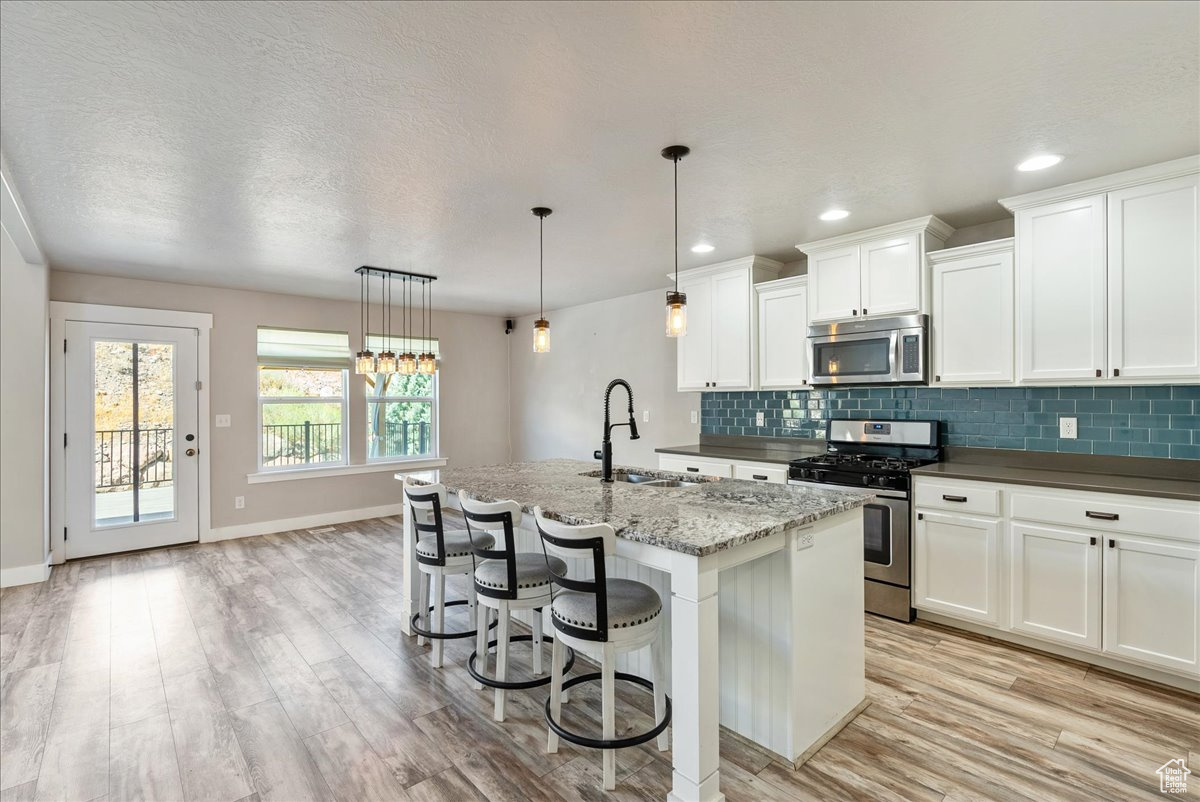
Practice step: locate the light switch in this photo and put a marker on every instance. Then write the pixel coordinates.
(224, 421)
(645, 416)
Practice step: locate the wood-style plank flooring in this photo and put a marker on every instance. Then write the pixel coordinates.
(273, 668)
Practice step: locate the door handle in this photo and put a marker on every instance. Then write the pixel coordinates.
(959, 499)
(191, 452)
(1103, 516)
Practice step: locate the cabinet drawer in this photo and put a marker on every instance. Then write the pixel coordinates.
(967, 497)
(1109, 513)
(759, 473)
(700, 466)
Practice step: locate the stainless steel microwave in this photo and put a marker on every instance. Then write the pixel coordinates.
(886, 350)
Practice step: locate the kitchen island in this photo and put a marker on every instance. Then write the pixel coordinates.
(762, 588)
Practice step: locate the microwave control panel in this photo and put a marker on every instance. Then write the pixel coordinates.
(910, 353)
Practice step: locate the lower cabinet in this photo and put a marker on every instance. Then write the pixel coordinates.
(1055, 588)
(726, 469)
(957, 566)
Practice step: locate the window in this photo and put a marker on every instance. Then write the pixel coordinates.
(302, 398)
(402, 411)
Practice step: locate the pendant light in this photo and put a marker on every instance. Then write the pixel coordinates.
(676, 300)
(427, 362)
(541, 326)
(387, 357)
(364, 360)
(407, 364)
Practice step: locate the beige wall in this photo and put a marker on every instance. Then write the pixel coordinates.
(558, 398)
(473, 386)
(23, 409)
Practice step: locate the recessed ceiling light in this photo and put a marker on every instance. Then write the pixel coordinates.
(835, 214)
(1039, 162)
(702, 247)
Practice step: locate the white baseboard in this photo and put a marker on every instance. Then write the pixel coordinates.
(25, 574)
(302, 522)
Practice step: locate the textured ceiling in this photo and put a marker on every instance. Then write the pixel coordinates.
(278, 146)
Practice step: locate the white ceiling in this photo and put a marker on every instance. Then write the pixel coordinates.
(278, 146)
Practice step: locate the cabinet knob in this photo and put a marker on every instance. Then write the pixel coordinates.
(1116, 371)
(1098, 373)
(1093, 541)
(937, 378)
(854, 312)
(864, 310)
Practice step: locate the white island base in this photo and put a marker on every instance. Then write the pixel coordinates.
(766, 638)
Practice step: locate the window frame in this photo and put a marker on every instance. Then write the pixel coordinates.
(435, 430)
(344, 402)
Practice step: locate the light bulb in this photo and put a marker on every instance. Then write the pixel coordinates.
(386, 363)
(676, 314)
(364, 362)
(407, 364)
(541, 336)
(427, 364)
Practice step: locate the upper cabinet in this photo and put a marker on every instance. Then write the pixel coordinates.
(783, 334)
(1108, 278)
(718, 350)
(972, 314)
(873, 273)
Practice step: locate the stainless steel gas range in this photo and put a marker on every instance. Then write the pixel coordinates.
(877, 455)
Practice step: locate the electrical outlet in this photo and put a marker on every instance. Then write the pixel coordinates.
(1068, 428)
(645, 416)
(223, 421)
(804, 541)
(695, 416)
(760, 419)
(239, 502)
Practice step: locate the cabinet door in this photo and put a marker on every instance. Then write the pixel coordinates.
(694, 349)
(1152, 602)
(783, 338)
(1055, 584)
(1061, 289)
(973, 320)
(891, 276)
(956, 567)
(833, 284)
(1154, 281)
(732, 368)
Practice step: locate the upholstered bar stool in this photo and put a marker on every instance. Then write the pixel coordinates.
(506, 581)
(601, 618)
(438, 554)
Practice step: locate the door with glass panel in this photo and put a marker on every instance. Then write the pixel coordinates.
(132, 466)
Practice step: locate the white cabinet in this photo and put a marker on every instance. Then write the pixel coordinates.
(1108, 278)
(718, 350)
(1055, 584)
(972, 314)
(956, 566)
(1154, 281)
(726, 469)
(783, 333)
(1152, 602)
(873, 273)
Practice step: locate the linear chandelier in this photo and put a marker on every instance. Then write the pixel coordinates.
(387, 361)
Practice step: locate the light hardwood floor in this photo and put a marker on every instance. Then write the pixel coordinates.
(273, 668)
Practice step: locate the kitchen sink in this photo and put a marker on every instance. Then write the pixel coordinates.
(644, 479)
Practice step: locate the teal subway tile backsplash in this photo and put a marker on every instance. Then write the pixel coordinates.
(1161, 421)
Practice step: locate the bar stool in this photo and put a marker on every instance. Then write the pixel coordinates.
(601, 618)
(506, 581)
(438, 554)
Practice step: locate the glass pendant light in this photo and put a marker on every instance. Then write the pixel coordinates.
(407, 364)
(427, 362)
(364, 360)
(387, 357)
(676, 300)
(541, 326)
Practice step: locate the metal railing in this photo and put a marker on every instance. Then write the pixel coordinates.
(115, 458)
(404, 439)
(301, 443)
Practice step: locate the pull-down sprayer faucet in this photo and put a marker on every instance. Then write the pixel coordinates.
(605, 452)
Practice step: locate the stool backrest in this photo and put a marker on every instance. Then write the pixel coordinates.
(425, 502)
(499, 519)
(570, 542)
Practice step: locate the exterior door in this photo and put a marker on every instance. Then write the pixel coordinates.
(1056, 584)
(131, 471)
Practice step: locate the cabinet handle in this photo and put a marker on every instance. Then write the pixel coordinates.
(762, 477)
(864, 310)
(854, 312)
(1093, 541)
(693, 470)
(920, 516)
(1103, 516)
(937, 378)
(1116, 371)
(1112, 544)
(1097, 373)
(959, 499)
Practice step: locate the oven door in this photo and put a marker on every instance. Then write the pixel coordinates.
(867, 357)
(886, 553)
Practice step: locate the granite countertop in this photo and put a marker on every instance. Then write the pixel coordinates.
(716, 514)
(1040, 476)
(773, 455)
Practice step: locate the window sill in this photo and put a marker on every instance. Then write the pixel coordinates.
(401, 466)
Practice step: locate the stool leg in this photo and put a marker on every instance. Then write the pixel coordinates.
(501, 660)
(608, 706)
(423, 596)
(537, 643)
(658, 655)
(556, 691)
(482, 617)
(439, 616)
